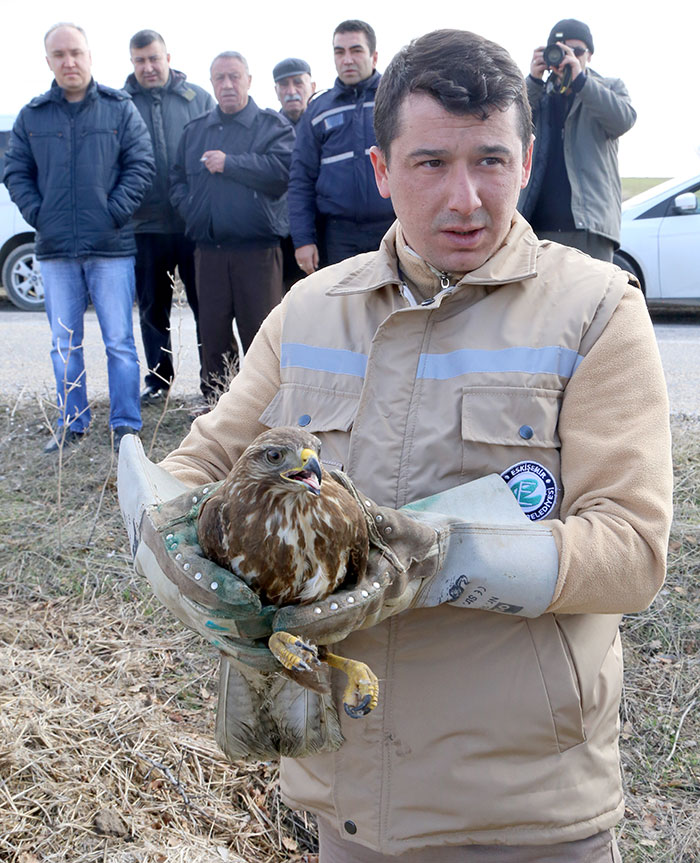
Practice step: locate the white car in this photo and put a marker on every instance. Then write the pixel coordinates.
(660, 241)
(19, 271)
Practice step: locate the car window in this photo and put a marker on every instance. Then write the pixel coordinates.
(665, 208)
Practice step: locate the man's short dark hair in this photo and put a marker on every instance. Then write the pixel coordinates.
(354, 25)
(145, 37)
(464, 72)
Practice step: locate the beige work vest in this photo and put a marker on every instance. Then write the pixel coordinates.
(490, 728)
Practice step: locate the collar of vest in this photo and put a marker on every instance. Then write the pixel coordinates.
(514, 261)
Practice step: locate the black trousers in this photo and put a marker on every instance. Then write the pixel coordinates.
(292, 272)
(156, 259)
(343, 238)
(240, 283)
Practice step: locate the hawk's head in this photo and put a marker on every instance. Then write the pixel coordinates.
(286, 457)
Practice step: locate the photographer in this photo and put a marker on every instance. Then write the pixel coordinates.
(574, 196)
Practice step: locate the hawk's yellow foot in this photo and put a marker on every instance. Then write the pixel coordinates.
(293, 653)
(362, 691)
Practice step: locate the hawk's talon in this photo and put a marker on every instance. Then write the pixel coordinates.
(293, 653)
(362, 691)
(362, 708)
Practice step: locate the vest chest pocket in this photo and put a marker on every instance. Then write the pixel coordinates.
(511, 416)
(329, 414)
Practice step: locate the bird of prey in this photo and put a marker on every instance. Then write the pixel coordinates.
(294, 534)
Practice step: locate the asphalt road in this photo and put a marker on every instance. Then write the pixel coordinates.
(25, 367)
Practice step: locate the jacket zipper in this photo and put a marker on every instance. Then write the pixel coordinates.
(74, 207)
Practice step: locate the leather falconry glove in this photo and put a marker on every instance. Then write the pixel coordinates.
(261, 714)
(160, 514)
(471, 546)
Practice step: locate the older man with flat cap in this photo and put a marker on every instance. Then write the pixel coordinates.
(574, 196)
(294, 87)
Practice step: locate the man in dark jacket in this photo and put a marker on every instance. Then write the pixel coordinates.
(79, 164)
(229, 183)
(294, 87)
(574, 196)
(167, 102)
(335, 210)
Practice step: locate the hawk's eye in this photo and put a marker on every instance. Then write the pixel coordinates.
(273, 456)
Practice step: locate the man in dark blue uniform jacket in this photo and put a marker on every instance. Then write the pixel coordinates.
(335, 210)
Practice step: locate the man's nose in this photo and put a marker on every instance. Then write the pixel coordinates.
(463, 195)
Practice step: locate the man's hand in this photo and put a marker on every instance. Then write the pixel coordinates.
(570, 60)
(538, 66)
(214, 161)
(307, 258)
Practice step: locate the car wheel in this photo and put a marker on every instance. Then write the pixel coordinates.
(22, 280)
(624, 263)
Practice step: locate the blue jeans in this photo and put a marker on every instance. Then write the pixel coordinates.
(109, 283)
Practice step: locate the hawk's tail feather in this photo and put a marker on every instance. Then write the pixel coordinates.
(263, 716)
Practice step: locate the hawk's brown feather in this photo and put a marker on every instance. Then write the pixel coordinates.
(271, 524)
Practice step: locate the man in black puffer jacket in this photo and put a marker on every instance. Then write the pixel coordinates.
(79, 163)
(167, 101)
(229, 184)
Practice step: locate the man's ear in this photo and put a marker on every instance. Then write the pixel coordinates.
(527, 164)
(381, 171)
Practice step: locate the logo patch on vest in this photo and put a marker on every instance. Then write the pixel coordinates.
(533, 486)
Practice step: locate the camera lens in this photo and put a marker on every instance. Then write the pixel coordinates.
(553, 55)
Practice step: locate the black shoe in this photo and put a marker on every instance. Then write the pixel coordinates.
(119, 432)
(153, 393)
(60, 439)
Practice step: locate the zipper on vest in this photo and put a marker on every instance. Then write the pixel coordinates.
(445, 289)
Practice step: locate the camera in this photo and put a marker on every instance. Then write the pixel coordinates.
(553, 55)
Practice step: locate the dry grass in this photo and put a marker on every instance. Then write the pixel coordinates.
(661, 705)
(106, 706)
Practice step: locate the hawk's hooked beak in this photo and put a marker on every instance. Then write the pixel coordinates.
(310, 472)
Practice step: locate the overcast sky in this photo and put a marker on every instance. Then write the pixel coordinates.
(652, 48)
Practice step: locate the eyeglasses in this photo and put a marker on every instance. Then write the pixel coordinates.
(578, 51)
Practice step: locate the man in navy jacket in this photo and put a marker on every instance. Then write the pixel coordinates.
(335, 210)
(79, 164)
(229, 184)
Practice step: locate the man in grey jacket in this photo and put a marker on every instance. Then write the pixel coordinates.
(167, 102)
(574, 196)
